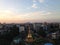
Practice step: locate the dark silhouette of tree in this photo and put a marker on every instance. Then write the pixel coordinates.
(41, 33)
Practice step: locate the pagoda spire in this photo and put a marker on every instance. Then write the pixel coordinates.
(29, 36)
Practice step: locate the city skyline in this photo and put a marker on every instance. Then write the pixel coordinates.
(19, 11)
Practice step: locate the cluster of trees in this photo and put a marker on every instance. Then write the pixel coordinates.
(6, 39)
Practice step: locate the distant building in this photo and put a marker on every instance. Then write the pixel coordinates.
(9, 25)
(36, 26)
(29, 38)
(54, 35)
(59, 26)
(21, 28)
(1, 26)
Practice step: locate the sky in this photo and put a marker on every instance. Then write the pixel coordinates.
(20, 11)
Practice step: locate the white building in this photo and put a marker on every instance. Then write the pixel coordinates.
(54, 35)
(21, 28)
(1, 26)
(36, 26)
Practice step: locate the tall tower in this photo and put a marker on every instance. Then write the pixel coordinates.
(29, 34)
(29, 37)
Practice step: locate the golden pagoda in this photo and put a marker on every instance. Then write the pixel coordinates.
(29, 37)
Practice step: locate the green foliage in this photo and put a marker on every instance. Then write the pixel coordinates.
(42, 33)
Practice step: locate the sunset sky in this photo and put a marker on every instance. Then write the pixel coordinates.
(19, 11)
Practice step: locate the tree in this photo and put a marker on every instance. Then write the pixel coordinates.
(41, 33)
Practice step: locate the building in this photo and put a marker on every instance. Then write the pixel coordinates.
(29, 37)
(21, 28)
(54, 35)
(36, 26)
(1, 26)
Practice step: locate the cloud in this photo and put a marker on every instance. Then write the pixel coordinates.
(35, 3)
(39, 13)
(12, 16)
(34, 0)
(34, 6)
(41, 1)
